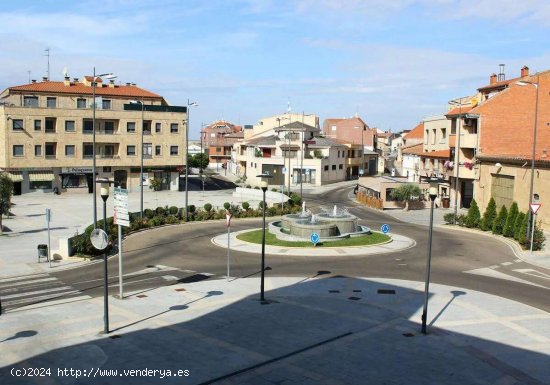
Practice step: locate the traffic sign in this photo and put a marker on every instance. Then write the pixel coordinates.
(314, 238)
(385, 228)
(228, 216)
(535, 207)
(121, 216)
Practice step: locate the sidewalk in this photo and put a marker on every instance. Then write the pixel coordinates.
(334, 330)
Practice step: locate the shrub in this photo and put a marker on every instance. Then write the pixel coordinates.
(520, 218)
(500, 221)
(508, 230)
(489, 216)
(261, 205)
(461, 220)
(271, 211)
(160, 211)
(538, 238)
(274, 190)
(295, 199)
(148, 213)
(157, 220)
(248, 186)
(192, 208)
(173, 210)
(473, 217)
(256, 187)
(227, 205)
(246, 205)
(522, 230)
(207, 207)
(406, 192)
(171, 219)
(449, 218)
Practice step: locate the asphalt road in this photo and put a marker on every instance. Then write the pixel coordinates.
(185, 253)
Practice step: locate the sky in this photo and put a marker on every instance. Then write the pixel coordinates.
(392, 62)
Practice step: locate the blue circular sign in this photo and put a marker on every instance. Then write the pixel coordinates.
(314, 238)
(385, 228)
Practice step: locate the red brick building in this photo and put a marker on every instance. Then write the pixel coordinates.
(219, 138)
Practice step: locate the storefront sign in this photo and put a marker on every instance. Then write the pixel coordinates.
(76, 170)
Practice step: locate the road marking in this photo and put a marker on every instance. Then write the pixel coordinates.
(32, 293)
(29, 282)
(507, 263)
(22, 278)
(534, 273)
(488, 272)
(43, 297)
(494, 267)
(51, 303)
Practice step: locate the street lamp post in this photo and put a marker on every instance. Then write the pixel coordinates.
(263, 185)
(108, 76)
(530, 216)
(141, 165)
(189, 104)
(104, 192)
(434, 182)
(457, 151)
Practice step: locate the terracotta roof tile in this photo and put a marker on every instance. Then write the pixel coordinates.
(417, 149)
(457, 110)
(438, 154)
(81, 89)
(416, 133)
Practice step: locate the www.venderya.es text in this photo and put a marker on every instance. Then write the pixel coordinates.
(98, 372)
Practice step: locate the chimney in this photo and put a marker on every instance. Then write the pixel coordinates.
(75, 80)
(493, 79)
(33, 81)
(67, 81)
(128, 84)
(525, 71)
(501, 75)
(44, 78)
(112, 83)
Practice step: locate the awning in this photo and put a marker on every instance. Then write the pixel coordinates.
(15, 176)
(41, 176)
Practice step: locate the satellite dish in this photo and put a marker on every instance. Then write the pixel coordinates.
(99, 239)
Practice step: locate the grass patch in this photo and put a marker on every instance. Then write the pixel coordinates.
(255, 236)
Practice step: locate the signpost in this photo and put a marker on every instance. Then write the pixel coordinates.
(121, 218)
(228, 216)
(48, 219)
(534, 208)
(314, 239)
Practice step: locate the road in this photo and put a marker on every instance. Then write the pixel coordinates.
(185, 253)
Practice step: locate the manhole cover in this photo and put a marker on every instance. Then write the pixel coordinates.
(386, 291)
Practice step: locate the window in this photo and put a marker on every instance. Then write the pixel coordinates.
(69, 151)
(326, 168)
(218, 149)
(333, 167)
(88, 150)
(106, 104)
(173, 150)
(88, 127)
(340, 167)
(17, 124)
(157, 127)
(30, 101)
(131, 150)
(427, 137)
(147, 150)
(37, 125)
(50, 150)
(69, 126)
(18, 150)
(80, 103)
(146, 128)
(131, 127)
(107, 169)
(157, 150)
(50, 125)
(51, 102)
(338, 154)
(443, 134)
(333, 128)
(434, 135)
(174, 128)
(37, 150)
(109, 127)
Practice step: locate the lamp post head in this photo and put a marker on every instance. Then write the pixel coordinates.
(264, 183)
(434, 187)
(104, 183)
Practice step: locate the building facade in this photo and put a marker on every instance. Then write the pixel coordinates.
(47, 131)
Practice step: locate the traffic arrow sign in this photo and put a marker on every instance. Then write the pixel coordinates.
(535, 207)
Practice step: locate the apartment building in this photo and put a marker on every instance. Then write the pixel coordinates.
(46, 135)
(408, 157)
(292, 153)
(354, 132)
(219, 138)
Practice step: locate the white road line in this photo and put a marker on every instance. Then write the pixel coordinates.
(488, 272)
(32, 293)
(22, 278)
(507, 263)
(29, 282)
(534, 273)
(43, 297)
(50, 303)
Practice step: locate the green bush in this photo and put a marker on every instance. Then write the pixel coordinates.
(148, 213)
(227, 205)
(207, 207)
(474, 216)
(449, 218)
(171, 219)
(157, 220)
(500, 221)
(295, 198)
(160, 210)
(522, 230)
(489, 216)
(192, 208)
(261, 205)
(173, 210)
(508, 230)
(256, 187)
(271, 211)
(274, 190)
(538, 238)
(248, 186)
(246, 205)
(520, 218)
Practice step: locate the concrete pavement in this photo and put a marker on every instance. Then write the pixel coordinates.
(313, 330)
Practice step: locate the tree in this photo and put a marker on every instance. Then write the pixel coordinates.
(508, 230)
(522, 231)
(200, 160)
(406, 192)
(6, 192)
(499, 223)
(489, 216)
(517, 226)
(473, 217)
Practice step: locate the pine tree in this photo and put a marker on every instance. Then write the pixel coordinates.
(500, 221)
(522, 232)
(508, 230)
(473, 217)
(517, 225)
(538, 237)
(489, 216)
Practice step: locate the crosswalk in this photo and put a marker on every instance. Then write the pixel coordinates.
(34, 291)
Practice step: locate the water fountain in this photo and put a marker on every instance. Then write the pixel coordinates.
(329, 225)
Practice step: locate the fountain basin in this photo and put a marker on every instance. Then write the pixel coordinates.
(345, 223)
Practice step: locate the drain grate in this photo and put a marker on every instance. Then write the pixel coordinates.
(386, 291)
(408, 334)
(354, 298)
(334, 291)
(141, 296)
(180, 289)
(114, 336)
